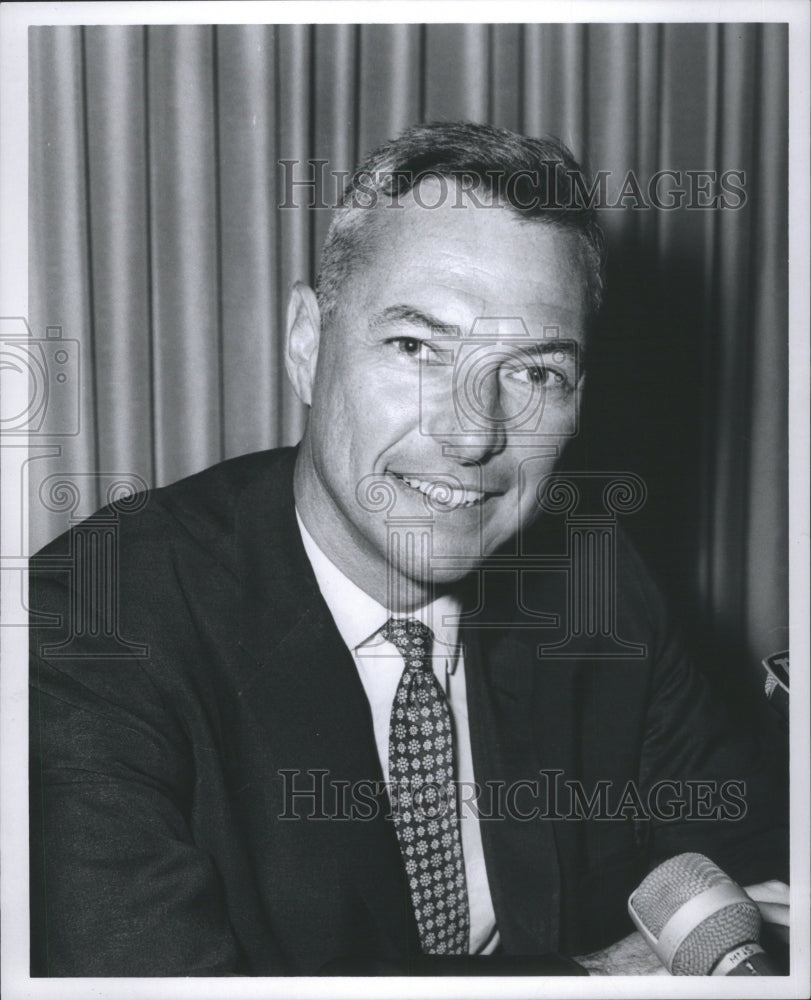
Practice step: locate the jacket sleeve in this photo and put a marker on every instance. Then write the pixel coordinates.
(118, 886)
(713, 773)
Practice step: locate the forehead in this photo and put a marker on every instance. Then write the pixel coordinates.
(447, 249)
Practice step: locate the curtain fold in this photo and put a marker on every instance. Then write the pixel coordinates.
(162, 161)
(250, 248)
(118, 255)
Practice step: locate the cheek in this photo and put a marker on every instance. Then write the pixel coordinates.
(352, 429)
(526, 478)
(380, 410)
(335, 393)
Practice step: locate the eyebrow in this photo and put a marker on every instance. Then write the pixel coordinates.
(415, 317)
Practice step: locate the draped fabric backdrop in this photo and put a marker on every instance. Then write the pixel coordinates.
(157, 242)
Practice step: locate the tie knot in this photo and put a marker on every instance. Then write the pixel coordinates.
(413, 640)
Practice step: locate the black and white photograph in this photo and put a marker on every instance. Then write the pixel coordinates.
(404, 438)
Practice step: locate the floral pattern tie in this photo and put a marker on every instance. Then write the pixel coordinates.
(421, 772)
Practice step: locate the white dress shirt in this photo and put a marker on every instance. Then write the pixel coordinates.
(359, 619)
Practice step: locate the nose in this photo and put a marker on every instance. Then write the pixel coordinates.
(467, 418)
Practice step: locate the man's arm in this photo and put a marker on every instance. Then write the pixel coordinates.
(117, 885)
(732, 801)
(731, 798)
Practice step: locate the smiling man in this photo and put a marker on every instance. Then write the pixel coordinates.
(382, 377)
(346, 746)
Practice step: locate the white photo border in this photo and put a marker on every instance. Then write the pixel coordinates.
(14, 22)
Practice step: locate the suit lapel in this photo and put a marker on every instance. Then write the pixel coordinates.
(522, 713)
(301, 686)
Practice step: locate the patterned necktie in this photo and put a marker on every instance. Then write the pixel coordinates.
(421, 771)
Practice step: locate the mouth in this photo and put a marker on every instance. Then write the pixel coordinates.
(443, 494)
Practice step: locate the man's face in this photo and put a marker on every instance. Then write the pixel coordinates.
(449, 376)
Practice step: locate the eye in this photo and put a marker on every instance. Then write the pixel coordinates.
(408, 345)
(412, 347)
(540, 375)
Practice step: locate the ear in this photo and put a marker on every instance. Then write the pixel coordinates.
(302, 338)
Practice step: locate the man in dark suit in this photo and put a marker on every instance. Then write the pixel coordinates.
(340, 638)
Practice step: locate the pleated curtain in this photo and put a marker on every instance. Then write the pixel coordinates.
(159, 244)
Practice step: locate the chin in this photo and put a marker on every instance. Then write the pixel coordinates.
(472, 546)
(439, 577)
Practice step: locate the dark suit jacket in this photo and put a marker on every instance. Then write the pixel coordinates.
(158, 781)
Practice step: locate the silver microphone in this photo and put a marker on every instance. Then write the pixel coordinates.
(698, 920)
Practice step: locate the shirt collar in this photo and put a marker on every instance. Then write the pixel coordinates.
(359, 616)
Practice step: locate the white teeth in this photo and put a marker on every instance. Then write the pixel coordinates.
(443, 493)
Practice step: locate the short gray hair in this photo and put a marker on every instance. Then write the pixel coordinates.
(535, 178)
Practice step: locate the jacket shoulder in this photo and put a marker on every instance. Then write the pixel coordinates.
(200, 508)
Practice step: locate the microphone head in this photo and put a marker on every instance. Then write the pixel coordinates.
(692, 914)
